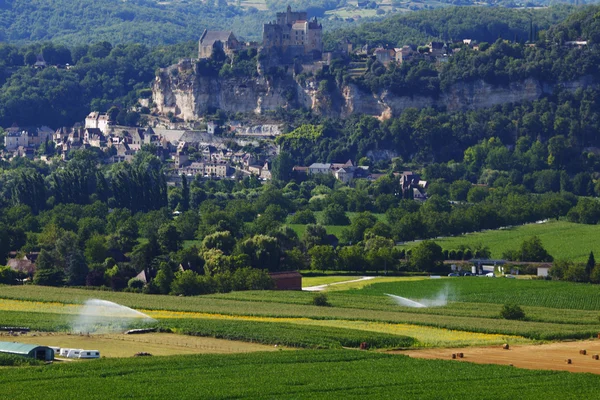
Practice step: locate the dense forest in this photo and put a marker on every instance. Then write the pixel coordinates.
(452, 23)
(140, 21)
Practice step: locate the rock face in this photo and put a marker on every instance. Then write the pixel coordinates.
(181, 90)
(187, 94)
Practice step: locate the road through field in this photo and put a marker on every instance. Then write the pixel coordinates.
(320, 288)
(552, 356)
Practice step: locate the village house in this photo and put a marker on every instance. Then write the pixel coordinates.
(384, 56)
(95, 120)
(219, 169)
(26, 137)
(404, 54)
(319, 168)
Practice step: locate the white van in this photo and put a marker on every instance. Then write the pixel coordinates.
(74, 353)
(64, 352)
(89, 354)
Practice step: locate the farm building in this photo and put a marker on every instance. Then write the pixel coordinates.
(543, 270)
(290, 280)
(44, 353)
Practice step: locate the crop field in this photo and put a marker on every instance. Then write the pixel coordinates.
(538, 293)
(474, 306)
(554, 235)
(158, 344)
(291, 375)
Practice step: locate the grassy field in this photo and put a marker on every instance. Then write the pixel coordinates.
(158, 344)
(563, 240)
(331, 229)
(291, 375)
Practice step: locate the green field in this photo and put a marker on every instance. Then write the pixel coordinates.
(331, 229)
(291, 375)
(563, 240)
(537, 293)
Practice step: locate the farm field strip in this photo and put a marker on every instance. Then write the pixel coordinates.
(467, 322)
(158, 344)
(426, 336)
(292, 375)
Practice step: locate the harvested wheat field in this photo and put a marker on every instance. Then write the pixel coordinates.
(158, 344)
(552, 356)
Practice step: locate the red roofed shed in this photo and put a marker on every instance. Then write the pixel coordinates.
(288, 280)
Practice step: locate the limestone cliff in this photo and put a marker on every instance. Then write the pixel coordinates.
(185, 92)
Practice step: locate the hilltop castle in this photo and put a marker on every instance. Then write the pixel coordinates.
(291, 34)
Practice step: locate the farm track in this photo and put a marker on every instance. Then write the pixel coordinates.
(550, 356)
(320, 288)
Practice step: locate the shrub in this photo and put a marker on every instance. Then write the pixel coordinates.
(320, 299)
(135, 283)
(512, 311)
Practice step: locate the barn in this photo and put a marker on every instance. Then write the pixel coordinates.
(289, 280)
(43, 353)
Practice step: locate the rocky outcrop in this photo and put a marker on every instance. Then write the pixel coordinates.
(186, 93)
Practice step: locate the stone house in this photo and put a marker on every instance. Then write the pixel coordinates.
(96, 120)
(211, 40)
(319, 168)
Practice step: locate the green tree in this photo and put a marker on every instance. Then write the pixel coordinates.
(322, 258)
(334, 214)
(264, 252)
(303, 217)
(223, 241)
(186, 283)
(96, 249)
(169, 238)
(352, 258)
(590, 264)
(314, 235)
(282, 167)
(532, 250)
(426, 256)
(164, 278)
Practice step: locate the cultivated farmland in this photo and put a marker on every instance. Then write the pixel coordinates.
(292, 375)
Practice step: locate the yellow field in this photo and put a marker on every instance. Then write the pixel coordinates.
(158, 344)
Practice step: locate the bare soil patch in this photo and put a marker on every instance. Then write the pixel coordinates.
(551, 356)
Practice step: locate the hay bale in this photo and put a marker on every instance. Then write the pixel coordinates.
(505, 346)
(596, 357)
(460, 355)
(569, 361)
(454, 356)
(583, 352)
